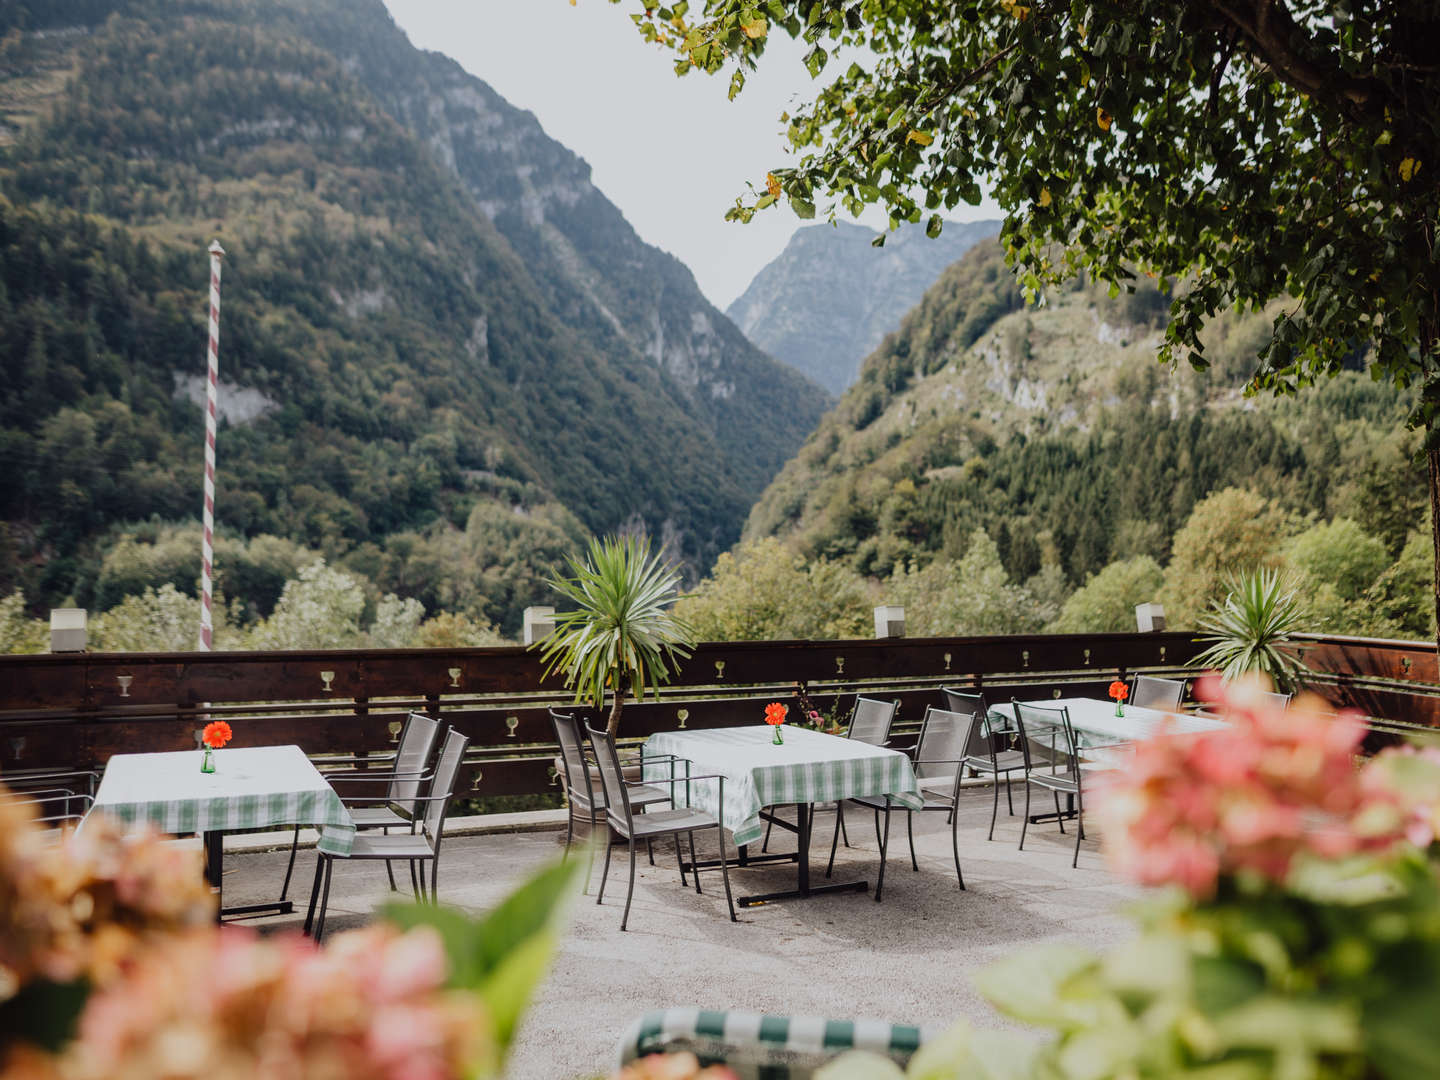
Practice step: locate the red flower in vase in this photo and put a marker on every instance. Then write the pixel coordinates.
(1119, 691)
(775, 713)
(216, 734)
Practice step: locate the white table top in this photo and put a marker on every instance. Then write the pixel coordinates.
(176, 776)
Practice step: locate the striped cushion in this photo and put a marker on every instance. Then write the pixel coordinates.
(760, 1047)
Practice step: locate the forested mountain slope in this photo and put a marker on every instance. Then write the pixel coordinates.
(433, 325)
(827, 300)
(1054, 430)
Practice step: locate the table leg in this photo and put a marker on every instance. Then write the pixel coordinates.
(804, 820)
(214, 845)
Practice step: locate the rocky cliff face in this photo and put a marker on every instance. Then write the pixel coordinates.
(830, 297)
(594, 267)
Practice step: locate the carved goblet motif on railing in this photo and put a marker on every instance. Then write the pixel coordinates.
(719, 669)
(124, 681)
(394, 728)
(512, 722)
(454, 674)
(682, 715)
(328, 677)
(947, 661)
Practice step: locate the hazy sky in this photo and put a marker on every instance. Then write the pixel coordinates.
(672, 153)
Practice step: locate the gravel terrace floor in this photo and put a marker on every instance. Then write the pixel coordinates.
(840, 956)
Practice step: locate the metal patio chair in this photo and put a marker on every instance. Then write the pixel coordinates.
(582, 795)
(1152, 693)
(988, 752)
(1277, 699)
(417, 847)
(398, 807)
(939, 761)
(620, 816)
(1052, 762)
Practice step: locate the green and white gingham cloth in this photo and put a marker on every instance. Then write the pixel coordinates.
(252, 787)
(807, 768)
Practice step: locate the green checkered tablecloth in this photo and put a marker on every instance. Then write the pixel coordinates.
(808, 768)
(252, 788)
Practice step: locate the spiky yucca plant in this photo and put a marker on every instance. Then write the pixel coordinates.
(1250, 629)
(621, 635)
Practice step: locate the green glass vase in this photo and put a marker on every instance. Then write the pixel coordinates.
(207, 760)
(779, 739)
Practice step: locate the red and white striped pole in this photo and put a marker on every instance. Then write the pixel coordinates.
(212, 387)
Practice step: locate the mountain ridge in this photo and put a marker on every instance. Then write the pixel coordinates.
(826, 301)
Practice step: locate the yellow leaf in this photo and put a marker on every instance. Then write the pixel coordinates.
(1408, 168)
(1045, 196)
(772, 185)
(1103, 118)
(755, 29)
(921, 137)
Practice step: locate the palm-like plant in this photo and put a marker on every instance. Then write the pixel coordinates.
(1250, 629)
(622, 635)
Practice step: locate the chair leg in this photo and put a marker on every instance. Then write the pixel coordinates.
(630, 892)
(650, 850)
(414, 880)
(884, 847)
(290, 866)
(605, 873)
(844, 832)
(1079, 831)
(910, 831)
(434, 878)
(725, 872)
(1059, 817)
(995, 803)
(569, 828)
(314, 892)
(1026, 819)
(835, 839)
(420, 869)
(955, 847)
(590, 861)
(680, 861)
(694, 869)
(877, 828)
(324, 901)
(1008, 798)
(389, 869)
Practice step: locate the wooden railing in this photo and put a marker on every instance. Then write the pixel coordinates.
(77, 710)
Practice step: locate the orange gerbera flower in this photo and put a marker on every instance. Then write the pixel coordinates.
(216, 734)
(775, 713)
(1119, 691)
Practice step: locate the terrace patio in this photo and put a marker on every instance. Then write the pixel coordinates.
(907, 959)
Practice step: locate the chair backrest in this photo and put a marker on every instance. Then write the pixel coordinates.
(1277, 699)
(982, 743)
(1152, 693)
(447, 773)
(570, 737)
(617, 795)
(1047, 740)
(412, 757)
(871, 720)
(944, 740)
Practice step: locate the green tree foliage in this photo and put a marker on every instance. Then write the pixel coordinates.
(155, 620)
(1340, 554)
(1231, 532)
(320, 609)
(765, 591)
(1242, 152)
(447, 630)
(971, 596)
(1106, 602)
(1398, 604)
(18, 632)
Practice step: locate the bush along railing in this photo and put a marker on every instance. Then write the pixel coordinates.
(78, 710)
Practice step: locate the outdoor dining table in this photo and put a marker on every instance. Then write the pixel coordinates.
(252, 787)
(1101, 736)
(808, 768)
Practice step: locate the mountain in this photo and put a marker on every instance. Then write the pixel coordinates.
(1054, 429)
(826, 301)
(433, 323)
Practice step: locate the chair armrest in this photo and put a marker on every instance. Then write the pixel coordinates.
(940, 761)
(374, 777)
(676, 780)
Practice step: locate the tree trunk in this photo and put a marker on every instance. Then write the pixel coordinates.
(614, 726)
(1429, 335)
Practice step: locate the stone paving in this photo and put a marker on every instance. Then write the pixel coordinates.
(842, 955)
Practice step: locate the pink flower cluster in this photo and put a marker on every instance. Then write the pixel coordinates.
(83, 905)
(227, 1005)
(1275, 784)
